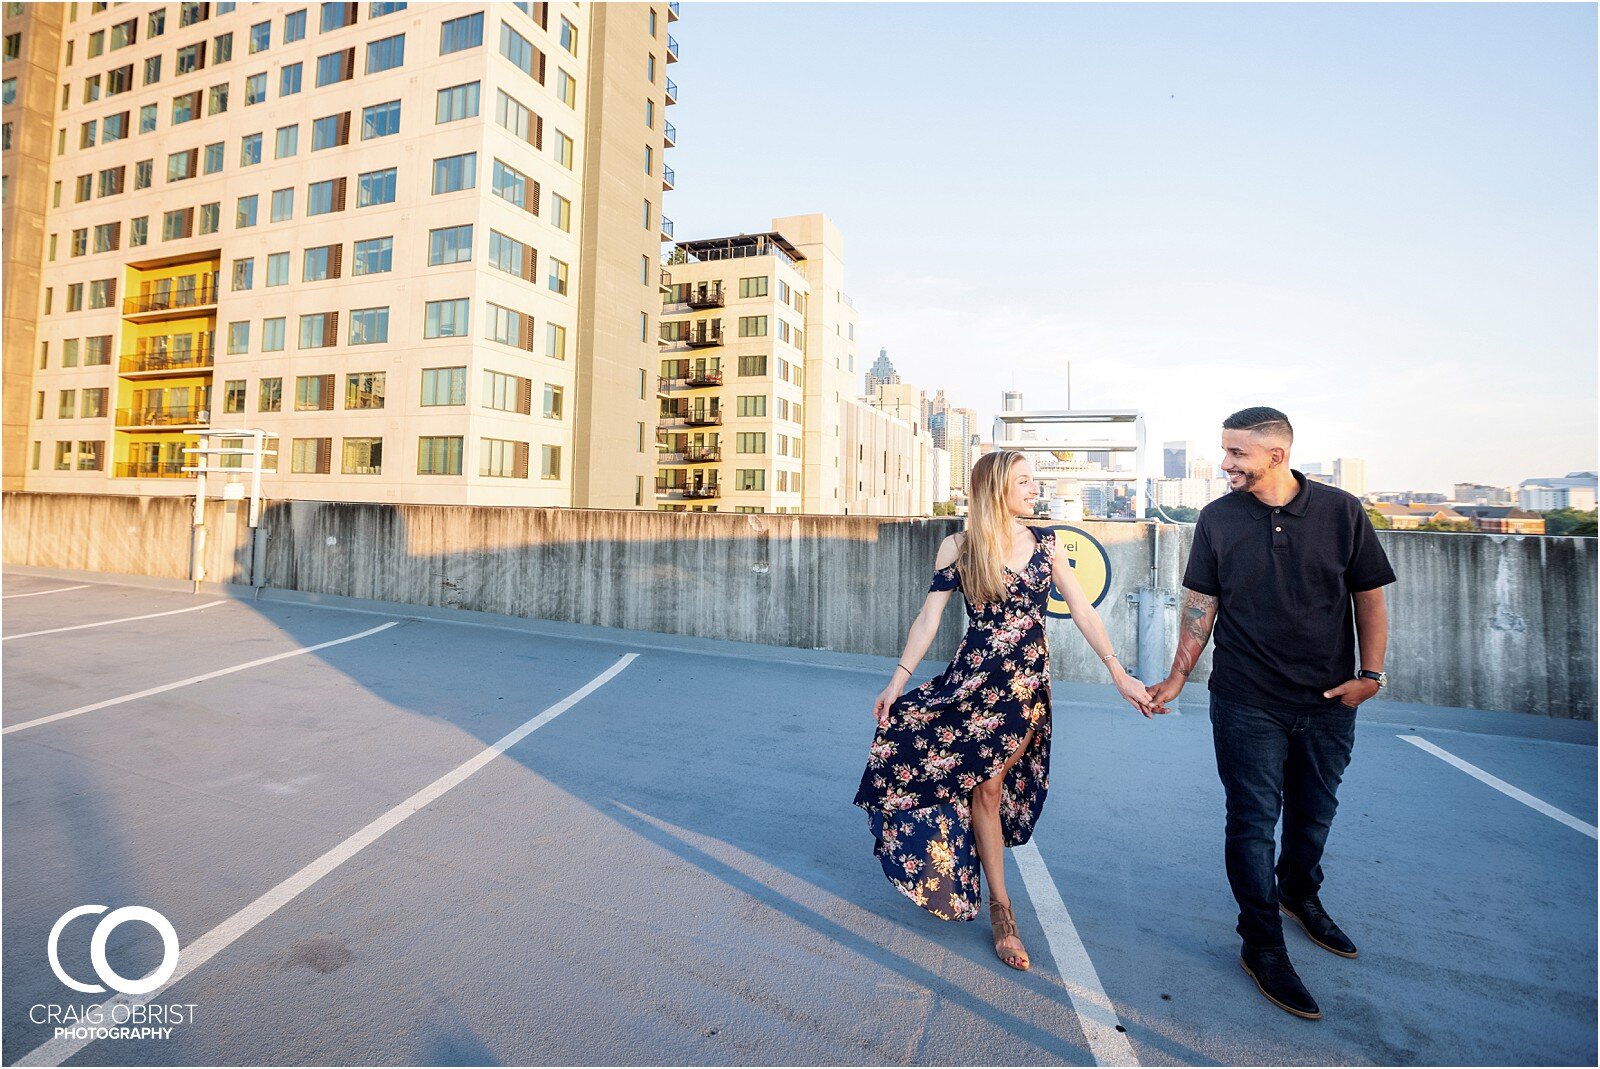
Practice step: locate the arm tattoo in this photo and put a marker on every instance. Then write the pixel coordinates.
(1199, 615)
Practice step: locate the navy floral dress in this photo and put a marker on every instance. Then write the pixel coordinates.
(955, 731)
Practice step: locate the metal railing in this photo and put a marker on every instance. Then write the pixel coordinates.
(672, 91)
(162, 417)
(164, 302)
(138, 469)
(673, 11)
(666, 227)
(200, 356)
(702, 338)
(672, 49)
(669, 134)
(706, 295)
(669, 177)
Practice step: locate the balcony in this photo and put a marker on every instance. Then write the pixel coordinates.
(165, 418)
(688, 493)
(669, 134)
(672, 91)
(155, 364)
(691, 380)
(666, 229)
(698, 455)
(669, 178)
(672, 49)
(690, 419)
(673, 14)
(666, 280)
(705, 295)
(182, 302)
(139, 469)
(702, 337)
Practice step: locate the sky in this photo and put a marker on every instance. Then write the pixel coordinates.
(1380, 219)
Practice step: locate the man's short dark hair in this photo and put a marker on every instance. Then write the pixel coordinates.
(1262, 420)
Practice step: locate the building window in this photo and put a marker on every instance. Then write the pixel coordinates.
(363, 456)
(569, 36)
(269, 395)
(337, 16)
(211, 217)
(511, 256)
(555, 341)
(286, 142)
(374, 256)
(508, 327)
(369, 326)
(380, 120)
(557, 280)
(364, 390)
(277, 269)
(310, 456)
(119, 81)
(320, 263)
(260, 37)
(102, 293)
(447, 319)
(560, 212)
(752, 326)
(375, 187)
(294, 26)
(450, 245)
(506, 393)
(249, 150)
(177, 224)
(550, 461)
(456, 102)
(563, 149)
(439, 456)
(386, 54)
(512, 185)
(212, 161)
(336, 67)
(94, 403)
(552, 401)
(111, 181)
(156, 23)
(324, 197)
(520, 51)
(330, 131)
(139, 231)
(192, 58)
(222, 48)
(273, 334)
(444, 386)
(152, 70)
(453, 173)
(462, 33)
(238, 338)
(191, 13)
(502, 459)
(218, 98)
(182, 165)
(244, 273)
(314, 392)
(566, 88)
(518, 119)
(289, 79)
(319, 330)
(255, 89)
(245, 214)
(282, 205)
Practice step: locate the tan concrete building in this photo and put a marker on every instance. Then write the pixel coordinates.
(417, 242)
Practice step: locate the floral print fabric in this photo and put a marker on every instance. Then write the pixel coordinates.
(957, 730)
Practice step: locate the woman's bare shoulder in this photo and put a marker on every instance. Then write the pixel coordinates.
(949, 550)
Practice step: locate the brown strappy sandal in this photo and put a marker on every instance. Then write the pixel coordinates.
(1004, 924)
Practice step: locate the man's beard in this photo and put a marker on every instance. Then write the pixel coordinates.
(1250, 480)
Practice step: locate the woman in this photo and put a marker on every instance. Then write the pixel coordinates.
(964, 759)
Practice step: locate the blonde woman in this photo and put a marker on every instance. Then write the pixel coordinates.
(960, 765)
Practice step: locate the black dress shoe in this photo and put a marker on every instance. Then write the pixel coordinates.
(1274, 975)
(1319, 926)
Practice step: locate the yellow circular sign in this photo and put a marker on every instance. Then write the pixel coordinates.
(1090, 564)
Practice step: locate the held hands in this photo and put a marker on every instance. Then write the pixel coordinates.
(1165, 691)
(1353, 693)
(1136, 694)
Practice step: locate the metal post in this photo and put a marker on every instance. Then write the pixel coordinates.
(197, 540)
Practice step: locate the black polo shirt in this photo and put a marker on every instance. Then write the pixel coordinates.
(1283, 577)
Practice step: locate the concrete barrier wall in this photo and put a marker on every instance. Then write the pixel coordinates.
(1482, 621)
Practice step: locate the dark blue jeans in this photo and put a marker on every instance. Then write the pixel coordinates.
(1272, 760)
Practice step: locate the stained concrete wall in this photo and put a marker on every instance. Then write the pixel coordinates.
(1480, 621)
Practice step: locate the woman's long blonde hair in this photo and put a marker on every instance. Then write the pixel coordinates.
(984, 552)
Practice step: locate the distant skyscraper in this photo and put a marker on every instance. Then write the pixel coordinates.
(882, 372)
(1175, 459)
(1350, 475)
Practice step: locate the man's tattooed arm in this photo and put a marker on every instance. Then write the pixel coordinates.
(1194, 630)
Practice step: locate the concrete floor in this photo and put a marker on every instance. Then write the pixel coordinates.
(670, 870)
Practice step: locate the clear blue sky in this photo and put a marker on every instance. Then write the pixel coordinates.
(1379, 218)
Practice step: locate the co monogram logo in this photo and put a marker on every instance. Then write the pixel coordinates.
(97, 949)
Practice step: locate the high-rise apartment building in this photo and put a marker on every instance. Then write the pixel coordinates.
(882, 372)
(1175, 460)
(1350, 475)
(418, 242)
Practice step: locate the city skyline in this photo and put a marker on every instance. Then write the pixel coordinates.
(1173, 198)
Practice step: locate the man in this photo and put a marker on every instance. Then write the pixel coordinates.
(1282, 566)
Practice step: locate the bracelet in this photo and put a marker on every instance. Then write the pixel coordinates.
(908, 671)
(1110, 656)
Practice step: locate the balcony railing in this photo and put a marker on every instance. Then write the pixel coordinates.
(672, 91)
(702, 455)
(138, 469)
(199, 357)
(690, 419)
(706, 295)
(703, 338)
(669, 134)
(666, 229)
(666, 279)
(162, 417)
(704, 378)
(691, 493)
(672, 49)
(165, 302)
(669, 178)
(673, 14)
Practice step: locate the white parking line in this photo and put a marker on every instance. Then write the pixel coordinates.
(203, 949)
(108, 623)
(1505, 788)
(194, 679)
(57, 590)
(1096, 1014)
